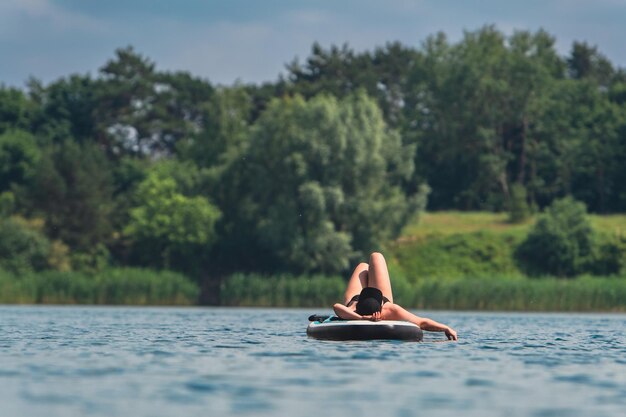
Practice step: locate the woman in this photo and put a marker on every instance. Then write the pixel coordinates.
(369, 297)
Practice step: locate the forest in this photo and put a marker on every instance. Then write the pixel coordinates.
(181, 183)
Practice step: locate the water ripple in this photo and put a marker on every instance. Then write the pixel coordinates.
(100, 361)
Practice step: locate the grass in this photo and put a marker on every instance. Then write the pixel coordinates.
(448, 256)
(457, 222)
(449, 245)
(445, 223)
(612, 224)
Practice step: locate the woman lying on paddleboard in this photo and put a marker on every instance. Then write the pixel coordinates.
(369, 297)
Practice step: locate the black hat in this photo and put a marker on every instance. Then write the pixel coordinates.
(370, 301)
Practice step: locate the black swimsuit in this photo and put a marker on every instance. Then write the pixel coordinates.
(356, 299)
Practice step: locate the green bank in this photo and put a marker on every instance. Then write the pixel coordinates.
(447, 260)
(455, 260)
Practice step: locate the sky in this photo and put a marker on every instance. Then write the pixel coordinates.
(225, 41)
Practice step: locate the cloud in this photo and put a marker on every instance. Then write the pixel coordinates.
(255, 51)
(49, 40)
(223, 52)
(308, 17)
(587, 5)
(43, 18)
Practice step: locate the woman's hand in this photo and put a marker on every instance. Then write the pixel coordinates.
(450, 334)
(373, 317)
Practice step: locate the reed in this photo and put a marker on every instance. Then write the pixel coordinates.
(255, 290)
(116, 286)
(583, 294)
(144, 287)
(512, 293)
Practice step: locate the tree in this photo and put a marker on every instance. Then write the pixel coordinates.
(225, 132)
(617, 197)
(19, 156)
(473, 107)
(72, 191)
(340, 71)
(16, 110)
(168, 229)
(145, 112)
(578, 147)
(597, 152)
(66, 108)
(334, 71)
(318, 186)
(586, 62)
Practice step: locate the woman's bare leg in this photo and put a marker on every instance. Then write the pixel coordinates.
(358, 281)
(379, 275)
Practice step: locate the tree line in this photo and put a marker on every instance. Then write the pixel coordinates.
(136, 166)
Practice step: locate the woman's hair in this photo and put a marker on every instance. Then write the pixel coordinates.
(370, 301)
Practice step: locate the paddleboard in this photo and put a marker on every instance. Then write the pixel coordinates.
(334, 328)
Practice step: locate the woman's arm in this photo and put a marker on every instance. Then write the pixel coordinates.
(396, 312)
(433, 326)
(345, 313)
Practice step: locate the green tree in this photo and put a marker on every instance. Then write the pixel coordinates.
(597, 154)
(19, 156)
(586, 62)
(72, 191)
(168, 229)
(472, 107)
(341, 71)
(578, 147)
(66, 109)
(225, 132)
(334, 71)
(617, 196)
(142, 111)
(16, 110)
(318, 185)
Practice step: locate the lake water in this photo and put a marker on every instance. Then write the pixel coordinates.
(108, 361)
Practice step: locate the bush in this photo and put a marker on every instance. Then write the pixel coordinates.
(561, 243)
(22, 249)
(95, 259)
(609, 256)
